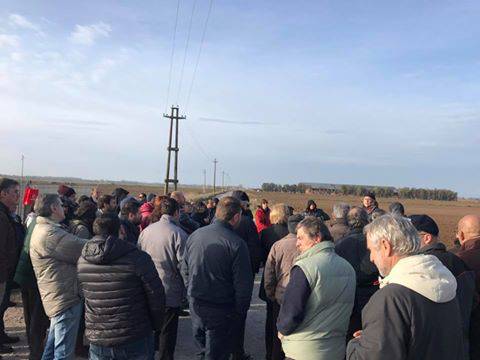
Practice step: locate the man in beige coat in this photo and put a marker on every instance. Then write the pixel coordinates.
(54, 253)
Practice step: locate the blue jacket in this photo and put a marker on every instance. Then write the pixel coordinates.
(217, 267)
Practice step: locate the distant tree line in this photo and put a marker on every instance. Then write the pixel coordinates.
(380, 191)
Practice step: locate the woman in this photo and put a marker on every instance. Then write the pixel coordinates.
(312, 210)
(82, 223)
(262, 216)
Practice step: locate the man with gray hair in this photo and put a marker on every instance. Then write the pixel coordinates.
(54, 253)
(338, 224)
(414, 315)
(318, 300)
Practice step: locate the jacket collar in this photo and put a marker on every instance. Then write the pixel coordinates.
(432, 247)
(45, 220)
(322, 246)
(223, 223)
(5, 209)
(168, 219)
(471, 244)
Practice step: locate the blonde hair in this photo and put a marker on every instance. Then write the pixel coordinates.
(279, 214)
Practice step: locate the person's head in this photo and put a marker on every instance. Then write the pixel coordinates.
(151, 198)
(86, 212)
(243, 197)
(377, 213)
(229, 210)
(67, 192)
(210, 204)
(293, 221)
(389, 239)
(107, 203)
(179, 197)
(119, 194)
(83, 198)
(200, 207)
(279, 214)
(264, 204)
(468, 228)
(106, 225)
(369, 200)
(340, 211)
(427, 229)
(142, 197)
(357, 218)
(310, 232)
(311, 205)
(9, 193)
(396, 208)
(95, 193)
(169, 206)
(131, 212)
(50, 206)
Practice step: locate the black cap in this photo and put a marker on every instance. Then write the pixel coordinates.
(425, 223)
(370, 195)
(240, 195)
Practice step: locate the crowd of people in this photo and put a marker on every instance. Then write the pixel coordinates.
(108, 276)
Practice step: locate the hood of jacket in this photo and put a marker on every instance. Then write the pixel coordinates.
(425, 275)
(146, 208)
(100, 250)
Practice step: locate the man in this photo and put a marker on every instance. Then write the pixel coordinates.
(95, 195)
(186, 223)
(54, 253)
(130, 220)
(262, 216)
(414, 315)
(468, 234)
(106, 204)
(219, 279)
(165, 242)
(370, 203)
(430, 244)
(353, 248)
(142, 198)
(396, 208)
(277, 274)
(9, 197)
(338, 224)
(211, 206)
(318, 301)
(124, 296)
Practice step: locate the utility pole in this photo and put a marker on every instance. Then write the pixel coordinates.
(215, 161)
(20, 204)
(223, 180)
(204, 181)
(173, 122)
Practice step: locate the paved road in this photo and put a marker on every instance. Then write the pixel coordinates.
(254, 337)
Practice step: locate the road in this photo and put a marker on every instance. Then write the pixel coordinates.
(254, 337)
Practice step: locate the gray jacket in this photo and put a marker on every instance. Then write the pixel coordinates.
(54, 253)
(165, 242)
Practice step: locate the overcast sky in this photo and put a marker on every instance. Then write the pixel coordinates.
(356, 92)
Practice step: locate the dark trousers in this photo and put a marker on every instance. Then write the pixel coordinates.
(269, 330)
(238, 337)
(277, 351)
(4, 304)
(141, 349)
(36, 321)
(167, 337)
(212, 330)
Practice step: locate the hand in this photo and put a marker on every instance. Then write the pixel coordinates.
(357, 334)
(280, 336)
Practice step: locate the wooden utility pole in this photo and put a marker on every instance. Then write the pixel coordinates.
(173, 123)
(215, 161)
(223, 180)
(20, 204)
(204, 181)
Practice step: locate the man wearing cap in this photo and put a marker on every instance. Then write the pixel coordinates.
(370, 203)
(430, 244)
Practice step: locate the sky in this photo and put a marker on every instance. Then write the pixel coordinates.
(348, 92)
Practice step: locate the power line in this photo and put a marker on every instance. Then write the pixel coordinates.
(199, 54)
(186, 50)
(172, 56)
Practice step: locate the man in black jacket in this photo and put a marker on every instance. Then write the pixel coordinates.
(415, 314)
(130, 219)
(353, 248)
(430, 245)
(218, 274)
(124, 296)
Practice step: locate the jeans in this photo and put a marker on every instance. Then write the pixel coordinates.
(167, 338)
(212, 331)
(136, 350)
(62, 334)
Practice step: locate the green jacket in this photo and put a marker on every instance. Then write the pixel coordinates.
(322, 333)
(24, 274)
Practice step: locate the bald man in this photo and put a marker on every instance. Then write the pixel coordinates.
(186, 222)
(468, 233)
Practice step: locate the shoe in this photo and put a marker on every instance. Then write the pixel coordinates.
(5, 339)
(5, 349)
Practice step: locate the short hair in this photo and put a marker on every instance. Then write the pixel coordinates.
(227, 208)
(398, 231)
(7, 183)
(106, 225)
(340, 210)
(83, 198)
(314, 226)
(130, 207)
(179, 196)
(44, 203)
(357, 217)
(168, 206)
(377, 213)
(396, 208)
(104, 200)
(264, 201)
(279, 214)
